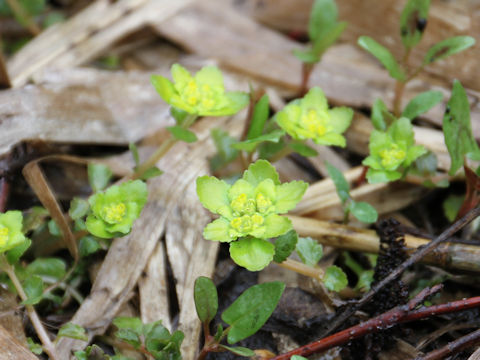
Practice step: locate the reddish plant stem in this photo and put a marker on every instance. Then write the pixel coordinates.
(472, 197)
(400, 314)
(4, 190)
(416, 256)
(306, 72)
(453, 347)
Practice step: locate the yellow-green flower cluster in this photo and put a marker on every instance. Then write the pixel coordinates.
(203, 94)
(115, 210)
(392, 152)
(249, 210)
(11, 234)
(310, 118)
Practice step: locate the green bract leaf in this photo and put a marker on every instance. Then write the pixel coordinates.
(384, 56)
(251, 144)
(335, 279)
(379, 112)
(11, 227)
(289, 194)
(324, 13)
(303, 149)
(252, 253)
(115, 210)
(16, 253)
(242, 351)
(72, 331)
(50, 267)
(309, 250)
(285, 245)
(99, 176)
(179, 115)
(448, 47)
(251, 310)
(213, 193)
(310, 118)
(259, 117)
(413, 21)
(78, 208)
(457, 129)
(341, 184)
(364, 212)
(421, 103)
(206, 299)
(202, 94)
(33, 286)
(259, 171)
(182, 134)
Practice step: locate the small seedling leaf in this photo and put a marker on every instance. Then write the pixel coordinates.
(33, 286)
(457, 129)
(136, 158)
(251, 144)
(259, 118)
(328, 38)
(225, 152)
(131, 323)
(413, 22)
(206, 299)
(78, 208)
(306, 56)
(242, 351)
(452, 205)
(335, 279)
(379, 114)
(383, 55)
(182, 134)
(88, 245)
(54, 268)
(341, 184)
(421, 103)
(364, 212)
(303, 149)
(285, 245)
(34, 347)
(99, 176)
(448, 47)
(309, 250)
(151, 173)
(323, 14)
(251, 310)
(72, 331)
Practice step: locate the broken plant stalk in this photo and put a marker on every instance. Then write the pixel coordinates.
(414, 258)
(453, 347)
(399, 314)
(48, 346)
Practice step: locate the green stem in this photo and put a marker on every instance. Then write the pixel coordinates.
(287, 150)
(162, 150)
(48, 346)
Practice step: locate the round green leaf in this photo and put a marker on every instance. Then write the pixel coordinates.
(335, 279)
(285, 245)
(364, 212)
(72, 331)
(99, 176)
(251, 310)
(309, 250)
(206, 299)
(252, 253)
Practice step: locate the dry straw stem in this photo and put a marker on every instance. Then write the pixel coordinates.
(447, 255)
(322, 202)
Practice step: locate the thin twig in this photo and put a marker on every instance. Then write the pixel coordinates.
(453, 347)
(400, 314)
(416, 256)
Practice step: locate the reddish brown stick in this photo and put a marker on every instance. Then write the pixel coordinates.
(453, 347)
(400, 314)
(4, 190)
